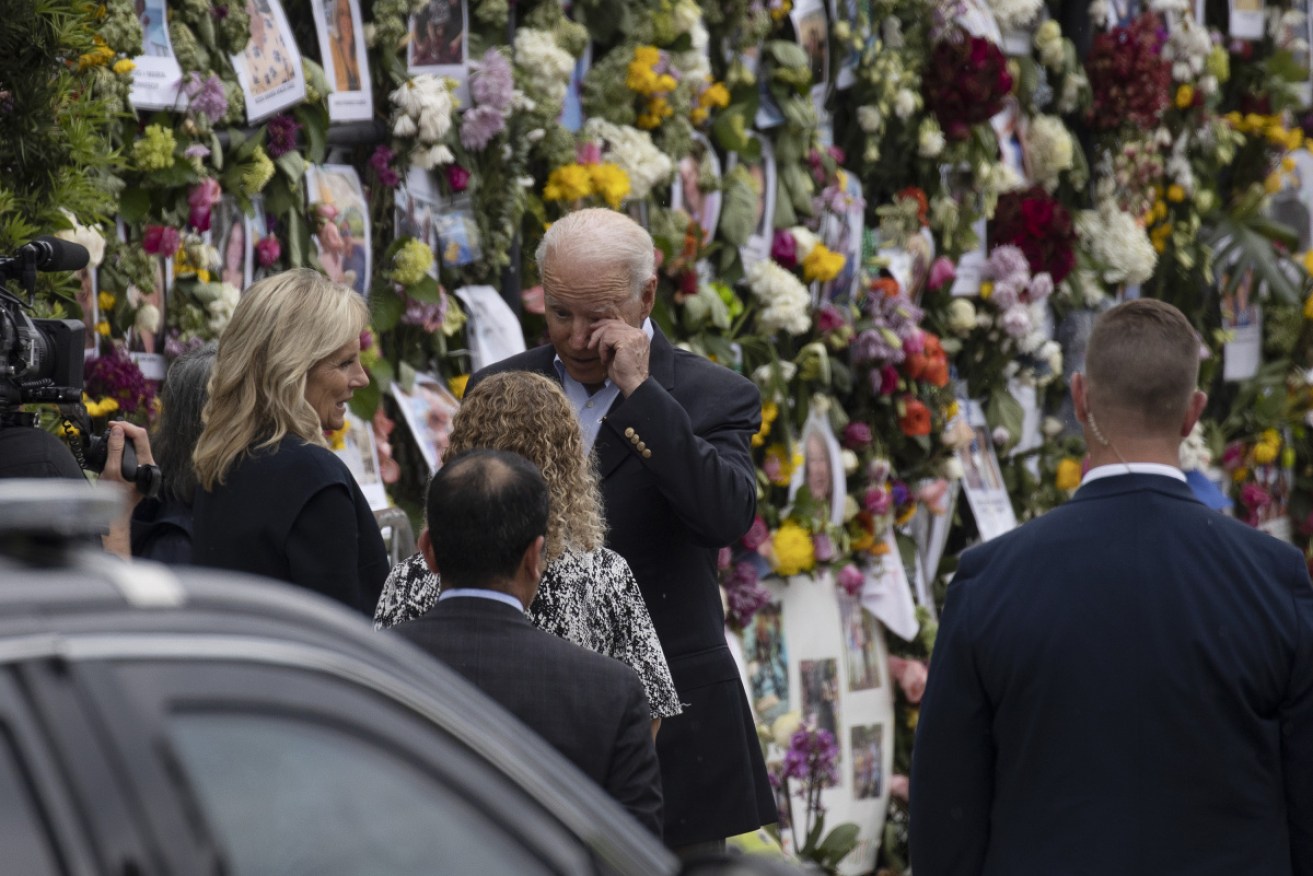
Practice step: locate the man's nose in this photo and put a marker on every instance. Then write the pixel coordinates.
(580, 329)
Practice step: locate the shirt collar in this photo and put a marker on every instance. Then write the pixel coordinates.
(1117, 469)
(569, 381)
(479, 593)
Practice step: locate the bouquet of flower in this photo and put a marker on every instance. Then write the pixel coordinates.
(1040, 226)
(965, 82)
(1130, 78)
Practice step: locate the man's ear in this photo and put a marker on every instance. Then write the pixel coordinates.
(648, 296)
(1079, 400)
(426, 548)
(1198, 402)
(533, 561)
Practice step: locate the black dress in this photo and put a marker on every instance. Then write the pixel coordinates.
(294, 512)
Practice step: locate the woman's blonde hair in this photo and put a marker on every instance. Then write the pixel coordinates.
(528, 414)
(283, 326)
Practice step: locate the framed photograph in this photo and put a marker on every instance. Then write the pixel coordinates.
(820, 694)
(147, 348)
(868, 761)
(1242, 319)
(982, 479)
(860, 636)
(428, 409)
(1290, 206)
(696, 190)
(494, 331)
(1278, 481)
(334, 193)
(439, 41)
(458, 233)
(269, 69)
(230, 236)
(360, 453)
(157, 76)
(813, 32)
(842, 232)
(821, 473)
(346, 66)
(418, 207)
(762, 172)
(1246, 19)
(766, 656)
(1010, 128)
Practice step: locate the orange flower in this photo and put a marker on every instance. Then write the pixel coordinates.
(915, 420)
(931, 364)
(922, 205)
(886, 286)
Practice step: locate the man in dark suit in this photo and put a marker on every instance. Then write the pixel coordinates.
(1124, 685)
(672, 434)
(487, 515)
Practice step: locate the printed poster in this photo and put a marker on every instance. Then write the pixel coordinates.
(269, 68)
(346, 66)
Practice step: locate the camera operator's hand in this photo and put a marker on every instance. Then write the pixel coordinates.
(119, 432)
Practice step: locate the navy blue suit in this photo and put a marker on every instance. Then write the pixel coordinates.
(678, 483)
(1124, 685)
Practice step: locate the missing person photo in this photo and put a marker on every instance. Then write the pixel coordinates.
(156, 77)
(439, 42)
(767, 658)
(346, 65)
(820, 694)
(861, 644)
(337, 202)
(821, 473)
(429, 410)
(269, 68)
(868, 761)
(761, 172)
(696, 189)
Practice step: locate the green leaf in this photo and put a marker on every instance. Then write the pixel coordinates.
(1004, 410)
(739, 207)
(314, 123)
(134, 205)
(298, 239)
(291, 164)
(787, 54)
(381, 372)
(386, 309)
(426, 289)
(366, 399)
(838, 843)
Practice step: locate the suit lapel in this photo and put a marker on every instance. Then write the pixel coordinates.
(610, 449)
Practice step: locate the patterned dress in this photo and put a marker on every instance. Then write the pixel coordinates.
(589, 598)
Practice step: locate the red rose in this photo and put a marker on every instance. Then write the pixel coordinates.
(915, 420)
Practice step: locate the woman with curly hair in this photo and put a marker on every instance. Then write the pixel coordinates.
(273, 499)
(588, 594)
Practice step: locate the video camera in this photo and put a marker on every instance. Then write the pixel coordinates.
(41, 360)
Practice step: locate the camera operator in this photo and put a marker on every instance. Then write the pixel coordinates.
(119, 539)
(29, 452)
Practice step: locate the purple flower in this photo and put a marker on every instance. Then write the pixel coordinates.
(206, 96)
(1016, 321)
(884, 380)
(1006, 294)
(381, 161)
(871, 346)
(757, 534)
(457, 177)
(175, 346)
(784, 249)
(281, 132)
(851, 580)
(857, 435)
(493, 83)
(161, 240)
(813, 757)
(744, 595)
(426, 314)
(900, 493)
(1008, 263)
(829, 318)
(823, 547)
(479, 126)
(876, 501)
(268, 250)
(117, 376)
(197, 150)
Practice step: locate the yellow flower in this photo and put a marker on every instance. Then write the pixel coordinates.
(1273, 183)
(97, 57)
(779, 13)
(1175, 193)
(1184, 96)
(1288, 164)
(106, 300)
(794, 552)
(457, 385)
(780, 454)
(716, 95)
(769, 411)
(611, 182)
(822, 264)
(1265, 453)
(986, 290)
(451, 254)
(878, 549)
(337, 438)
(1240, 475)
(102, 408)
(102, 328)
(951, 411)
(1308, 302)
(698, 115)
(124, 66)
(411, 262)
(570, 182)
(1068, 476)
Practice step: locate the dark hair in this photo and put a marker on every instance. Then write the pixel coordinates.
(182, 398)
(1142, 362)
(485, 507)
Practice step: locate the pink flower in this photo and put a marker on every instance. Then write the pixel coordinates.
(757, 534)
(885, 380)
(784, 249)
(588, 153)
(160, 240)
(941, 272)
(851, 579)
(457, 177)
(1233, 455)
(898, 787)
(857, 435)
(876, 501)
(268, 251)
(911, 677)
(823, 547)
(828, 318)
(934, 495)
(202, 198)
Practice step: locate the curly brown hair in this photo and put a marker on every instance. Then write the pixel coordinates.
(528, 414)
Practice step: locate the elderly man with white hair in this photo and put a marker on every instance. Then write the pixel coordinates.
(672, 434)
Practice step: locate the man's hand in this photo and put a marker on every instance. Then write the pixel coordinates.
(624, 351)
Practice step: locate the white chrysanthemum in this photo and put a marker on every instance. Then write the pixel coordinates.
(930, 139)
(961, 316)
(545, 66)
(765, 373)
(87, 236)
(1117, 243)
(1048, 44)
(869, 119)
(1050, 150)
(906, 102)
(147, 321)
(785, 302)
(633, 152)
(1187, 48)
(429, 157)
(696, 61)
(222, 306)
(804, 241)
(1015, 14)
(424, 107)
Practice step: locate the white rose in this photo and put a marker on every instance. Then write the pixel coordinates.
(850, 462)
(869, 119)
(147, 320)
(951, 469)
(804, 240)
(904, 103)
(961, 316)
(930, 139)
(1052, 427)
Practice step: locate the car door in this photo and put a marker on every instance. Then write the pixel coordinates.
(284, 770)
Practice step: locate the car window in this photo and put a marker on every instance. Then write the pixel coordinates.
(23, 834)
(289, 797)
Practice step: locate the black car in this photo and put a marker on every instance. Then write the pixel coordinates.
(161, 721)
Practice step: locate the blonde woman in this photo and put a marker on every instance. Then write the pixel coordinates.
(273, 498)
(588, 594)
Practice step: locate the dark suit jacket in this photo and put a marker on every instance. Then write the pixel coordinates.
(590, 707)
(671, 503)
(1124, 685)
(294, 512)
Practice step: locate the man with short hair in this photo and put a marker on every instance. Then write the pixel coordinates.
(672, 436)
(487, 516)
(1124, 685)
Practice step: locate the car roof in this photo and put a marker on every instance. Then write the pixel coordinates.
(78, 603)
